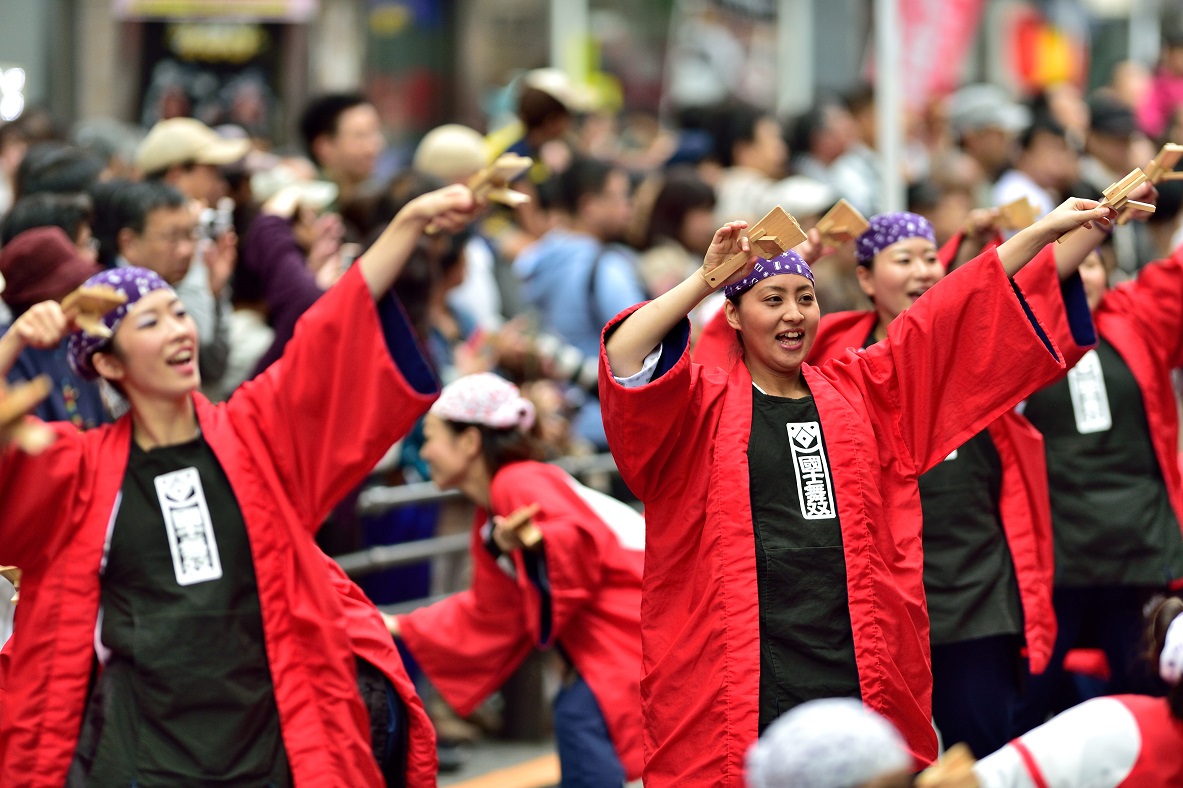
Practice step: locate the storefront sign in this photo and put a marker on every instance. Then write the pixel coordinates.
(254, 10)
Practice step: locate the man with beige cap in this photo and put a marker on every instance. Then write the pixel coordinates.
(186, 154)
(454, 153)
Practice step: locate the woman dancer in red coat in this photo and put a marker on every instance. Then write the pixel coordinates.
(175, 608)
(783, 558)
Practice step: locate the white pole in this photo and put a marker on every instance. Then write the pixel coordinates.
(569, 35)
(889, 104)
(794, 55)
(1145, 32)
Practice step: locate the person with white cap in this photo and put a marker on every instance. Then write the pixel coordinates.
(555, 566)
(827, 743)
(177, 609)
(986, 123)
(783, 557)
(454, 153)
(1120, 741)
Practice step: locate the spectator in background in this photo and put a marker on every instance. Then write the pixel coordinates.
(986, 125)
(1159, 112)
(185, 154)
(1046, 162)
(575, 278)
(343, 136)
(72, 213)
(453, 154)
(677, 224)
(154, 229)
(820, 137)
(112, 141)
(44, 264)
(751, 147)
(1108, 157)
(58, 168)
(12, 150)
(856, 172)
(547, 105)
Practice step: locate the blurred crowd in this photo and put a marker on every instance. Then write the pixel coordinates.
(621, 208)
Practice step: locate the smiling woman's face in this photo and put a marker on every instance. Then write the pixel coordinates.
(900, 274)
(155, 349)
(778, 318)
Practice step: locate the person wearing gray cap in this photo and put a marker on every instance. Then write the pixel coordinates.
(1109, 155)
(986, 123)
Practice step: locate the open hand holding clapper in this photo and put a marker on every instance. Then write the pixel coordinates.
(776, 233)
(1117, 197)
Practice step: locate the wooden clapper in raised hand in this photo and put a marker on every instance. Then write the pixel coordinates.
(1017, 214)
(1162, 168)
(84, 308)
(492, 183)
(841, 224)
(776, 233)
(1117, 197)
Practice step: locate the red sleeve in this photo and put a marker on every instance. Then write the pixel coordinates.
(573, 564)
(1155, 302)
(716, 345)
(350, 383)
(1055, 301)
(471, 642)
(964, 353)
(32, 490)
(647, 424)
(947, 254)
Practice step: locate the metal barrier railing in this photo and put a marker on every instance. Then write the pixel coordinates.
(377, 500)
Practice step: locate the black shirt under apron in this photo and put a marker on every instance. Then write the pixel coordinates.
(186, 696)
(1111, 515)
(806, 641)
(969, 576)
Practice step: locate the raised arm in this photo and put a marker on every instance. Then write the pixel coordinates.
(644, 329)
(449, 209)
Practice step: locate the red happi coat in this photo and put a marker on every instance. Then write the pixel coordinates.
(1143, 320)
(292, 443)
(471, 642)
(681, 445)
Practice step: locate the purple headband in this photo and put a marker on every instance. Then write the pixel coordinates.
(135, 283)
(888, 228)
(784, 263)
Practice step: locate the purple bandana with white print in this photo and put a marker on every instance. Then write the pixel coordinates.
(889, 228)
(135, 283)
(785, 263)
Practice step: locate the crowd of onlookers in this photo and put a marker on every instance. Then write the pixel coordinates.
(622, 207)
